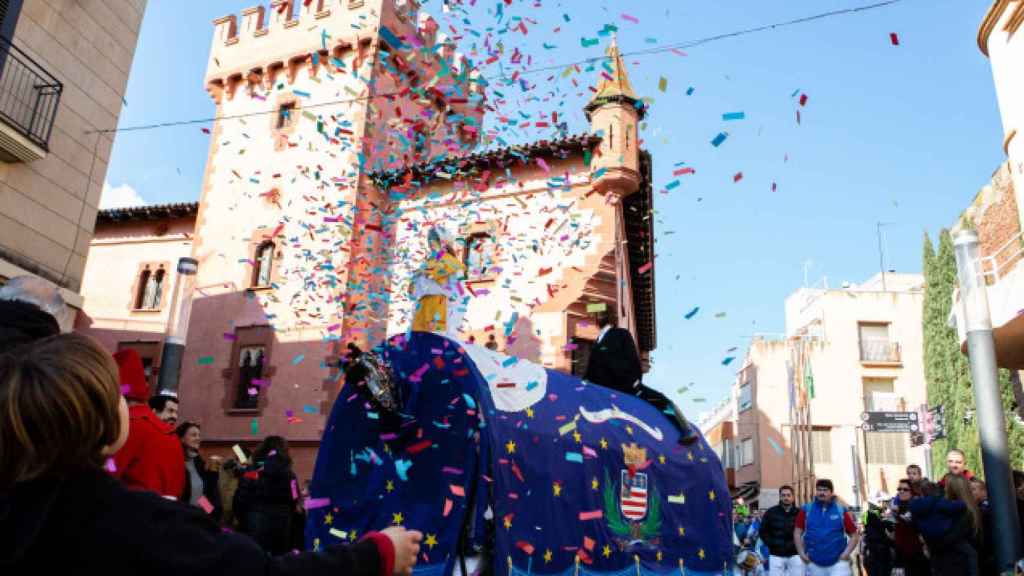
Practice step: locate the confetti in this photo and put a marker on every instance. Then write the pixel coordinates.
(298, 359)
(596, 307)
(574, 457)
(662, 84)
(692, 313)
(775, 446)
(402, 468)
(894, 39)
(310, 409)
(630, 18)
(588, 42)
(689, 91)
(254, 426)
(591, 515)
(239, 453)
(340, 534)
(314, 503)
(728, 116)
(205, 360)
(717, 141)
(205, 504)
(643, 269)
(737, 177)
(676, 499)
(728, 360)
(803, 99)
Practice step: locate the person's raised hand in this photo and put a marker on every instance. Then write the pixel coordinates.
(407, 546)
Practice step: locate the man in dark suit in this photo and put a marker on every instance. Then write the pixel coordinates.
(615, 363)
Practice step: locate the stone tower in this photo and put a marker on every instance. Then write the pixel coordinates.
(291, 236)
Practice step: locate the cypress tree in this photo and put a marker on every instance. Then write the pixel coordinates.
(947, 370)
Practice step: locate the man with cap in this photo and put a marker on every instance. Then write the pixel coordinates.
(152, 458)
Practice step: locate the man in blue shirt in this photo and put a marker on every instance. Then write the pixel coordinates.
(825, 533)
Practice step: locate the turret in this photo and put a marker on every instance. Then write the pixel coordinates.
(614, 113)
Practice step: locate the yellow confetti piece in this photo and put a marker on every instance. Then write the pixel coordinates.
(566, 428)
(338, 533)
(663, 84)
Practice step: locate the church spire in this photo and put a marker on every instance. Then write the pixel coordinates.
(614, 84)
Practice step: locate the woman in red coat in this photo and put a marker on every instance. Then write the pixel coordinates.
(152, 458)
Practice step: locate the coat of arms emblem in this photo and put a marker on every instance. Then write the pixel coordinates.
(636, 517)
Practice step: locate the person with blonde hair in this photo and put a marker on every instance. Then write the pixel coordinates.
(433, 287)
(61, 417)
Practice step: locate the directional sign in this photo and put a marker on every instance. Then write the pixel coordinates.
(901, 422)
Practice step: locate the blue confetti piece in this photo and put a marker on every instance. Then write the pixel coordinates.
(298, 359)
(733, 116)
(728, 360)
(390, 38)
(469, 400)
(532, 385)
(692, 313)
(775, 446)
(689, 91)
(574, 457)
(719, 139)
(511, 360)
(309, 409)
(401, 467)
(671, 185)
(301, 93)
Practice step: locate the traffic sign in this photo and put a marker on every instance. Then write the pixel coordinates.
(897, 422)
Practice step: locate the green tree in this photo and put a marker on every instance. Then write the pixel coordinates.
(947, 371)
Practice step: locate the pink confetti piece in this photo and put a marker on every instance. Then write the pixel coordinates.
(592, 515)
(645, 267)
(205, 504)
(110, 466)
(447, 507)
(543, 165)
(630, 18)
(457, 490)
(450, 470)
(230, 336)
(295, 489)
(314, 503)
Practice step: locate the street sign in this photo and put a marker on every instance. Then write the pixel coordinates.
(897, 422)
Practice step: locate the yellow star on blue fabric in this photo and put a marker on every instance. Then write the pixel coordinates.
(328, 519)
(510, 446)
(397, 518)
(430, 541)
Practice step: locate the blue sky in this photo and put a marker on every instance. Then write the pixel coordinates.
(899, 134)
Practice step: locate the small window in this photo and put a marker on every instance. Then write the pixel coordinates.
(285, 115)
(149, 294)
(745, 452)
(821, 445)
(251, 360)
(263, 264)
(746, 400)
(481, 255)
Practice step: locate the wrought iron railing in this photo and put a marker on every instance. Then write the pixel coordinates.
(29, 94)
(879, 351)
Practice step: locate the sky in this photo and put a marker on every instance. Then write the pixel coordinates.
(903, 135)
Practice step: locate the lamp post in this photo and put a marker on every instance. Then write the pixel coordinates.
(177, 327)
(990, 417)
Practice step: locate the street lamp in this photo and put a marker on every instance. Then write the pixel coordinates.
(990, 417)
(177, 327)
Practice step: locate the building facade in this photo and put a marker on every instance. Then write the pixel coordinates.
(997, 211)
(799, 397)
(63, 71)
(347, 131)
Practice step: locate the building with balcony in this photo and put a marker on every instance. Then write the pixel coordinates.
(799, 397)
(63, 71)
(997, 211)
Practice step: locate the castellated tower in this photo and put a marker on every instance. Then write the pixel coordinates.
(291, 235)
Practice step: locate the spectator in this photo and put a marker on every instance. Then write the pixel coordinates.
(908, 548)
(825, 533)
(165, 407)
(201, 482)
(914, 474)
(950, 527)
(61, 415)
(777, 533)
(956, 465)
(31, 309)
(268, 492)
(152, 459)
(986, 550)
(877, 542)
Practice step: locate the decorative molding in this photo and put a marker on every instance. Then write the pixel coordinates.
(988, 24)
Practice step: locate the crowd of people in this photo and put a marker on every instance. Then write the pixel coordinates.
(96, 477)
(929, 528)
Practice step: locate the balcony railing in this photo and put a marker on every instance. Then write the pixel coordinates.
(29, 95)
(879, 351)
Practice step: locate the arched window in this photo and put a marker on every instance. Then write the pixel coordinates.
(150, 290)
(250, 372)
(264, 263)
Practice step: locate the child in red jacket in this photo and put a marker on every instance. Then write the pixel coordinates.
(61, 416)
